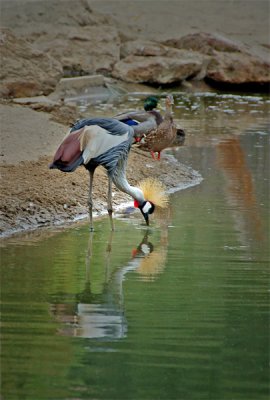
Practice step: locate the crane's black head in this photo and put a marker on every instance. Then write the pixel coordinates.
(146, 209)
(150, 103)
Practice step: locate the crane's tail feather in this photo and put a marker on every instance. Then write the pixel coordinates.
(67, 167)
(69, 154)
(155, 192)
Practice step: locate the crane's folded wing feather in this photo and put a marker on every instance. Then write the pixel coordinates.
(113, 126)
(90, 138)
(95, 141)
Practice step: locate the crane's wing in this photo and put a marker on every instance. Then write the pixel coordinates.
(113, 126)
(89, 139)
(95, 141)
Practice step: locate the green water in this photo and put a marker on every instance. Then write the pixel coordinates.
(176, 311)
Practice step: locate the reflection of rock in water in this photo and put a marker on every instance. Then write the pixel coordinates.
(240, 190)
(102, 316)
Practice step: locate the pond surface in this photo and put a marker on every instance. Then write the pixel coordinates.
(176, 311)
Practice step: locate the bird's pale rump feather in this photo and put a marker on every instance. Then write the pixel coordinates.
(95, 140)
(155, 192)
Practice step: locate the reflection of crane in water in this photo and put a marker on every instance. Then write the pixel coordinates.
(102, 315)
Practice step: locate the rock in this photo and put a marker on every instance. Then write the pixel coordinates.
(35, 100)
(82, 50)
(79, 83)
(24, 70)
(156, 69)
(60, 111)
(231, 62)
(83, 42)
(181, 64)
(143, 48)
(238, 68)
(205, 43)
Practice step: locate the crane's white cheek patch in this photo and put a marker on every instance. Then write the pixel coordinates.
(145, 249)
(146, 207)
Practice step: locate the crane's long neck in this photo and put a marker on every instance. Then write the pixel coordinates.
(120, 180)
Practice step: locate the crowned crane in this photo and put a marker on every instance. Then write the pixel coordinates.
(106, 141)
(142, 122)
(164, 135)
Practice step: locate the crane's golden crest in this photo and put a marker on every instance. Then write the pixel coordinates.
(155, 192)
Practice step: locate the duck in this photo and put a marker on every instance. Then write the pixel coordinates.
(164, 135)
(144, 121)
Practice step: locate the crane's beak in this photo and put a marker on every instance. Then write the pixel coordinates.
(146, 218)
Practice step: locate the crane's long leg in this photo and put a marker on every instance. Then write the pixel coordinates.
(90, 200)
(88, 257)
(109, 203)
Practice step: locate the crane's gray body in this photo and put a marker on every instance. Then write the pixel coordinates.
(115, 155)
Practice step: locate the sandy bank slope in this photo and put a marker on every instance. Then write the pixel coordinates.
(244, 20)
(27, 134)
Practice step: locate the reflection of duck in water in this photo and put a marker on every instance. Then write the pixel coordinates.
(102, 315)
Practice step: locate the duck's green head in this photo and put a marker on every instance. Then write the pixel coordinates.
(150, 103)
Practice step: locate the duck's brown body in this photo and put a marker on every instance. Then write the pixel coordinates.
(163, 136)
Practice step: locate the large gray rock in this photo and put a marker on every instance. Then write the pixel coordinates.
(231, 62)
(154, 63)
(155, 70)
(238, 68)
(24, 70)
